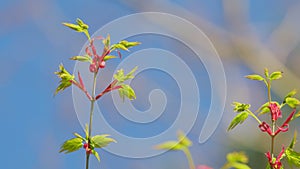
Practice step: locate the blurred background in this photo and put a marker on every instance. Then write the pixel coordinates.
(248, 35)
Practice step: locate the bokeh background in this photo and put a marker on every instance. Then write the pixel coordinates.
(248, 35)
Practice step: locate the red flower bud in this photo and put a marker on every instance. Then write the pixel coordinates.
(93, 68)
(85, 145)
(87, 148)
(102, 64)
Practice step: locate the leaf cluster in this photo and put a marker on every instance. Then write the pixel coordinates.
(236, 160)
(97, 141)
(125, 90)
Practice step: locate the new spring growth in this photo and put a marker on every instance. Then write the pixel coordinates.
(97, 60)
(274, 109)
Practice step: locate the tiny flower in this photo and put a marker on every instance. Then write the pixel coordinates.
(265, 127)
(275, 111)
(277, 163)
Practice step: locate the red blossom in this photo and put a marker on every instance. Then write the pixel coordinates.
(285, 126)
(265, 127)
(277, 164)
(275, 111)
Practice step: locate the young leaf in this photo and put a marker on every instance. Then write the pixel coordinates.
(265, 108)
(106, 41)
(126, 91)
(255, 77)
(80, 27)
(292, 102)
(118, 46)
(86, 131)
(73, 26)
(293, 157)
(276, 75)
(293, 142)
(81, 24)
(170, 145)
(100, 141)
(120, 77)
(108, 57)
(297, 115)
(71, 145)
(266, 73)
(66, 79)
(240, 107)
(237, 157)
(85, 58)
(79, 136)
(124, 45)
(290, 94)
(238, 119)
(183, 140)
(129, 44)
(95, 153)
(237, 160)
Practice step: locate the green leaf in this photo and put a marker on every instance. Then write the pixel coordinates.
(124, 45)
(237, 157)
(255, 77)
(108, 57)
(237, 160)
(276, 75)
(292, 102)
(118, 46)
(81, 24)
(290, 94)
(297, 115)
(129, 44)
(293, 157)
(170, 145)
(79, 136)
(106, 41)
(95, 153)
(120, 77)
(86, 131)
(100, 141)
(66, 78)
(294, 140)
(85, 58)
(183, 140)
(73, 26)
(80, 27)
(126, 91)
(71, 145)
(240, 107)
(266, 73)
(238, 119)
(265, 108)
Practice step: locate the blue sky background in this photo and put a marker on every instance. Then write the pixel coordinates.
(33, 43)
